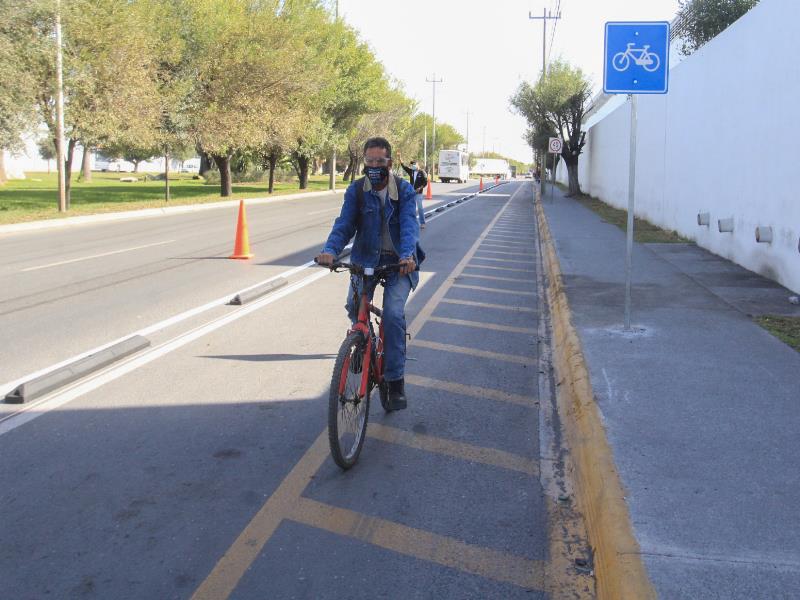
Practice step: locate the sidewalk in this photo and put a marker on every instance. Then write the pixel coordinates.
(700, 407)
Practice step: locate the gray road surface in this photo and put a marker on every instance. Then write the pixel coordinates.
(204, 473)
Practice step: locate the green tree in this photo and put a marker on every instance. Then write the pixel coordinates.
(699, 21)
(557, 103)
(247, 61)
(109, 89)
(17, 84)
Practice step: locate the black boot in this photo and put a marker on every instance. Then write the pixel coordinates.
(397, 395)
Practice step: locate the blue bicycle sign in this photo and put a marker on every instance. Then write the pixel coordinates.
(636, 58)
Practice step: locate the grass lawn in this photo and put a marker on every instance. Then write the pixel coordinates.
(36, 197)
(787, 329)
(643, 231)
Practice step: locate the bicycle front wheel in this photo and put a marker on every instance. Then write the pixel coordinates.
(348, 410)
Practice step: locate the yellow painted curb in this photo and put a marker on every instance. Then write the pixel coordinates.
(619, 570)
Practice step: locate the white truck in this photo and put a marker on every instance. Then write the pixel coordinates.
(492, 167)
(453, 166)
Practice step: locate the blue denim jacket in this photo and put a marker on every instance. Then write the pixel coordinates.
(400, 210)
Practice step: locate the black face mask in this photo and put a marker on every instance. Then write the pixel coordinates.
(376, 174)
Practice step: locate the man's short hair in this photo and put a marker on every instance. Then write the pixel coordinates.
(378, 142)
(413, 162)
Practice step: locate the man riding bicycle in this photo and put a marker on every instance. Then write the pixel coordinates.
(380, 210)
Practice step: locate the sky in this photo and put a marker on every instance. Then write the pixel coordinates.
(483, 50)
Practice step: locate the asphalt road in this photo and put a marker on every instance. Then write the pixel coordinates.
(200, 468)
(66, 291)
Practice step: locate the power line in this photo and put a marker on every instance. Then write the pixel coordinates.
(553, 34)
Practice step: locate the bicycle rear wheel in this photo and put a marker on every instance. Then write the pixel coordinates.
(348, 411)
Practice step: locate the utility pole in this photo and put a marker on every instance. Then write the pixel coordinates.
(546, 16)
(434, 81)
(62, 184)
(425, 147)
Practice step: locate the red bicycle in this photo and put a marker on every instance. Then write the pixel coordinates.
(358, 368)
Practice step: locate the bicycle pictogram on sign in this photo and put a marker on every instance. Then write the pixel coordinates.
(649, 61)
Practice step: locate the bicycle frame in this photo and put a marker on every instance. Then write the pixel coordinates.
(364, 325)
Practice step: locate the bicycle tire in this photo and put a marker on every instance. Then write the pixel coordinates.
(348, 365)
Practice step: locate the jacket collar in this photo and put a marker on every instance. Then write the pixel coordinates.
(393, 193)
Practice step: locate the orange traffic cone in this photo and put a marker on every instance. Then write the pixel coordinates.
(241, 248)
(428, 192)
(480, 187)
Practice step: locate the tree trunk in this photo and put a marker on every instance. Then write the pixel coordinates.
(86, 165)
(3, 175)
(166, 176)
(205, 163)
(272, 160)
(68, 171)
(572, 172)
(332, 171)
(302, 171)
(135, 166)
(356, 169)
(224, 165)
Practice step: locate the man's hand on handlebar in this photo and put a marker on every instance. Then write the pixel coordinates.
(407, 265)
(325, 260)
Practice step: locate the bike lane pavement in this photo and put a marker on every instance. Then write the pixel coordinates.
(216, 454)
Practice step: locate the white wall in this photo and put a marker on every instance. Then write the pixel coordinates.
(724, 141)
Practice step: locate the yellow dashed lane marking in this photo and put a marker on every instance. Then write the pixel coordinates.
(510, 253)
(460, 450)
(472, 266)
(439, 549)
(512, 358)
(509, 260)
(473, 391)
(490, 305)
(495, 278)
(482, 325)
(225, 576)
(490, 289)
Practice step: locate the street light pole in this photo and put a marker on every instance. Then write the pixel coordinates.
(62, 185)
(332, 165)
(434, 81)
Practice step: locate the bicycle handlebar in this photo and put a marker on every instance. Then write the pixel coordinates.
(338, 266)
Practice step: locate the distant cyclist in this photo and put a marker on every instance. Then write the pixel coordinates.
(379, 210)
(418, 180)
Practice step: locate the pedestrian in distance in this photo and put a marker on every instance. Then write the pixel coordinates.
(418, 180)
(379, 210)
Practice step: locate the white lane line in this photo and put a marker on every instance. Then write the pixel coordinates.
(74, 260)
(5, 388)
(37, 409)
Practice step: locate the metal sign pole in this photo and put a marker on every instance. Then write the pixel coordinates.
(631, 197)
(553, 184)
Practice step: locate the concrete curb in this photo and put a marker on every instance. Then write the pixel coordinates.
(151, 212)
(619, 569)
(255, 293)
(48, 382)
